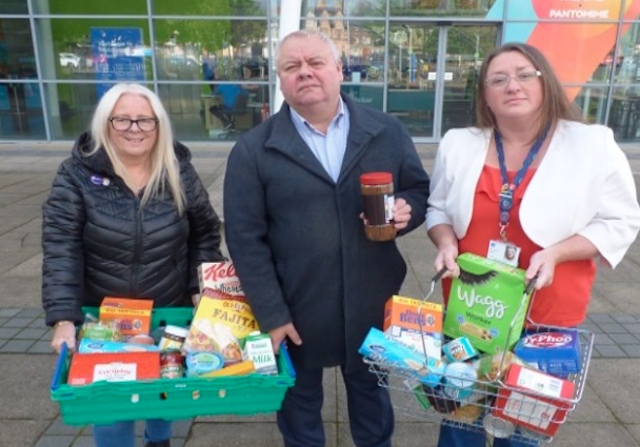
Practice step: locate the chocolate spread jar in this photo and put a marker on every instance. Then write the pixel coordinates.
(377, 203)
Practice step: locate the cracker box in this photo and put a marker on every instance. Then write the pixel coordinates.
(132, 316)
(534, 400)
(555, 352)
(96, 367)
(219, 276)
(484, 301)
(402, 319)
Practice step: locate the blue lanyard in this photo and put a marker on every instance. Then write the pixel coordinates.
(507, 190)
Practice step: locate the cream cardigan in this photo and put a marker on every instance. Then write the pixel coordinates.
(583, 185)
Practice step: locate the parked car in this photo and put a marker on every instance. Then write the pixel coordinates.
(70, 60)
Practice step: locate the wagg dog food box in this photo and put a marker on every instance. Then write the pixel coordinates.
(534, 400)
(484, 300)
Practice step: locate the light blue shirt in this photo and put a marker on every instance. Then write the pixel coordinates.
(328, 148)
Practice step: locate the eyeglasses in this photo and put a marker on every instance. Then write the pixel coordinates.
(501, 80)
(144, 124)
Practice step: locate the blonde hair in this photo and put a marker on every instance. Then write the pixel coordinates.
(165, 169)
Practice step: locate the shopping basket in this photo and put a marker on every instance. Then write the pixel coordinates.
(537, 416)
(170, 399)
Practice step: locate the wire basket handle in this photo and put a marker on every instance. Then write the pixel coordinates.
(434, 280)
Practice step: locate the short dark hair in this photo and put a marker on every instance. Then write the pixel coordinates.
(555, 103)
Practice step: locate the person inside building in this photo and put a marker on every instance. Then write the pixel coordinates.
(127, 216)
(532, 175)
(292, 203)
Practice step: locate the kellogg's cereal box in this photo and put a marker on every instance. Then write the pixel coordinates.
(484, 301)
(219, 276)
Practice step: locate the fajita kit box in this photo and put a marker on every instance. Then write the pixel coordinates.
(120, 367)
(220, 322)
(556, 352)
(403, 318)
(534, 400)
(484, 301)
(132, 316)
(220, 276)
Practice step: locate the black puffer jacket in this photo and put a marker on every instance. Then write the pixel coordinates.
(98, 242)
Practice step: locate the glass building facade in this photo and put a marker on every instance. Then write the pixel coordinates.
(416, 59)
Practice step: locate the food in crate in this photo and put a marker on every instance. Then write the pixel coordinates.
(113, 367)
(131, 316)
(486, 301)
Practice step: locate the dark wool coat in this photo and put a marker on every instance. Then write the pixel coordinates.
(98, 242)
(296, 237)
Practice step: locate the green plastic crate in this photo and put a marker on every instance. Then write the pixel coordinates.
(108, 402)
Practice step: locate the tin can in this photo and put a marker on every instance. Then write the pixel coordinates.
(377, 203)
(459, 380)
(171, 365)
(498, 427)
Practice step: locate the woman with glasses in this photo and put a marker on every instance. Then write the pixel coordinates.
(128, 217)
(532, 179)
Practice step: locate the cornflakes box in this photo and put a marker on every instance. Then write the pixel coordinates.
(484, 301)
(414, 323)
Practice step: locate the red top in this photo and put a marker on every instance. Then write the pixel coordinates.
(565, 301)
(376, 178)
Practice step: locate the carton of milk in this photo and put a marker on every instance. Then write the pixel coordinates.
(259, 349)
(487, 304)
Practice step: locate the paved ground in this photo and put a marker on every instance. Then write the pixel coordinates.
(607, 414)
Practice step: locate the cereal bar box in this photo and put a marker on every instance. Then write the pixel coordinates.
(131, 316)
(484, 301)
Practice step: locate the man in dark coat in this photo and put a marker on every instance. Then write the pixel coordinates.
(294, 230)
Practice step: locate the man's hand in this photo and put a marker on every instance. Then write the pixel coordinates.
(279, 334)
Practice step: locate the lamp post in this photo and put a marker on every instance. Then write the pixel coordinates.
(412, 69)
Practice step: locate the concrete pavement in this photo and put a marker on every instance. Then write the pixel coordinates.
(607, 415)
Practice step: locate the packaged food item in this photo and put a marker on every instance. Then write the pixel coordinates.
(87, 346)
(414, 323)
(459, 350)
(459, 380)
(131, 316)
(171, 365)
(376, 189)
(258, 348)
(172, 338)
(94, 329)
(219, 276)
(467, 414)
(555, 352)
(487, 303)
(380, 349)
(439, 400)
(492, 367)
(200, 363)
(498, 427)
(533, 399)
(141, 339)
(113, 367)
(238, 369)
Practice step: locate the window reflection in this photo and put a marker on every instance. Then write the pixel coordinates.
(352, 8)
(21, 111)
(120, 7)
(363, 57)
(434, 8)
(13, 7)
(624, 117)
(627, 64)
(16, 50)
(211, 8)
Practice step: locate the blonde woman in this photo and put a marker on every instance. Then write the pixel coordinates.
(127, 216)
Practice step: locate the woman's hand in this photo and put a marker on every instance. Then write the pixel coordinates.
(279, 334)
(446, 257)
(401, 214)
(64, 332)
(542, 266)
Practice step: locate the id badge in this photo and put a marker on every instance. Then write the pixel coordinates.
(504, 252)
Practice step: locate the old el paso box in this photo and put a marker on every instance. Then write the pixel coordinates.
(111, 367)
(403, 318)
(555, 352)
(484, 301)
(534, 400)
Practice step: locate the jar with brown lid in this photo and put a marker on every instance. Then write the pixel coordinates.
(377, 203)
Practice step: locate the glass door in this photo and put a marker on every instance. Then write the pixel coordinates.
(464, 49)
